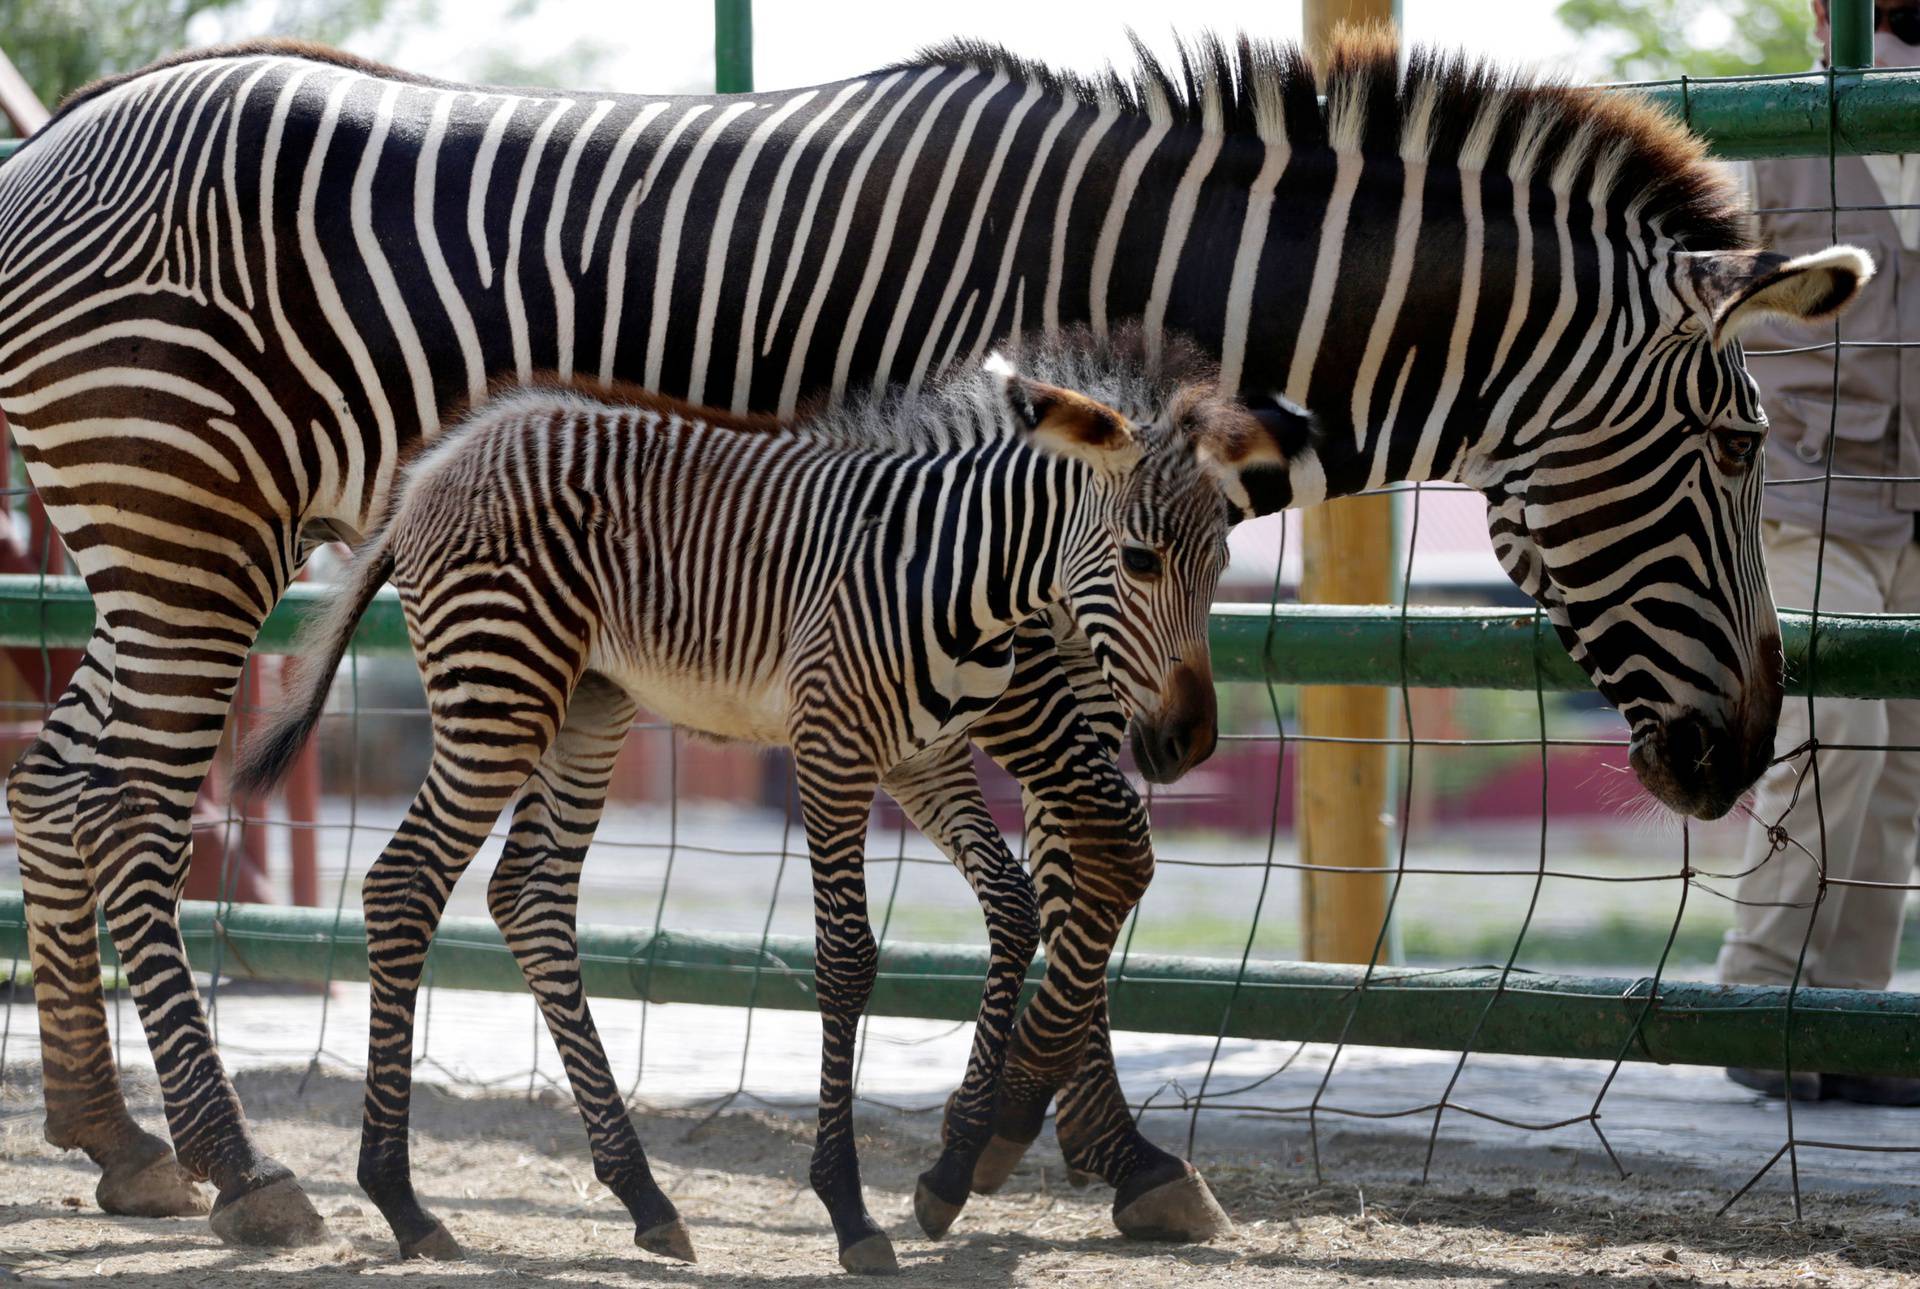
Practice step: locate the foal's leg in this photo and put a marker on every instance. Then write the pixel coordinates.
(1091, 854)
(485, 746)
(1157, 1195)
(534, 897)
(836, 794)
(941, 794)
(85, 1109)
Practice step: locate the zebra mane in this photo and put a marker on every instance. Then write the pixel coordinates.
(1447, 109)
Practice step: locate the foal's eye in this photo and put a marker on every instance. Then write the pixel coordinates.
(1140, 561)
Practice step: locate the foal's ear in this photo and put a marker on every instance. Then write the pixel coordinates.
(1246, 445)
(1066, 423)
(1736, 289)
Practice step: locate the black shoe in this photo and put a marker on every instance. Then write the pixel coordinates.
(1804, 1085)
(1870, 1089)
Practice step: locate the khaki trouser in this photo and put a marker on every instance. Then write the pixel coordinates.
(1870, 799)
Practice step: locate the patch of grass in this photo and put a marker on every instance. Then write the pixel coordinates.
(1617, 939)
(1614, 940)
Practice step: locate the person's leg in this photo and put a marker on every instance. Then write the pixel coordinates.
(1862, 923)
(1824, 816)
(1859, 931)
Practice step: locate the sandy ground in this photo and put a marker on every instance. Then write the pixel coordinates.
(510, 1176)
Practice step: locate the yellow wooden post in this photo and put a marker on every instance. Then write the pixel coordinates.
(1347, 555)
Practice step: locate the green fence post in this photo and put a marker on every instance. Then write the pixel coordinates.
(1852, 33)
(733, 46)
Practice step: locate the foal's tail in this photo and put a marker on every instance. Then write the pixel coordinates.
(269, 754)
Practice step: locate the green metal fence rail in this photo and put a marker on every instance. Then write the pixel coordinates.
(1861, 655)
(1841, 1031)
(1788, 116)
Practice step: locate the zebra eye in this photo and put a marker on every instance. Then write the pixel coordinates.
(1140, 561)
(1740, 446)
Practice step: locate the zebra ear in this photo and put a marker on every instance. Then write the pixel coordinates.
(1246, 445)
(1740, 288)
(1066, 423)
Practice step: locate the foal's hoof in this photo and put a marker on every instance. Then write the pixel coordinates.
(277, 1215)
(998, 1158)
(159, 1187)
(669, 1240)
(934, 1214)
(1080, 1178)
(872, 1256)
(1182, 1210)
(437, 1245)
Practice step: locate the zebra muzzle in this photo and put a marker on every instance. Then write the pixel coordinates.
(1698, 766)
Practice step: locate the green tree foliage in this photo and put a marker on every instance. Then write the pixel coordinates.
(1655, 39)
(60, 45)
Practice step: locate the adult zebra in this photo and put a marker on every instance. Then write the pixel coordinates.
(234, 287)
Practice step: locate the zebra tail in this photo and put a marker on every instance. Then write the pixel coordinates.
(269, 754)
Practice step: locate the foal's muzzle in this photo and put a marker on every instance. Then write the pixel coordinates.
(1182, 732)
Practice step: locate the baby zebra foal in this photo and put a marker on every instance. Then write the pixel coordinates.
(849, 588)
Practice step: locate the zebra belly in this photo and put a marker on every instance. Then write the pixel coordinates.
(755, 713)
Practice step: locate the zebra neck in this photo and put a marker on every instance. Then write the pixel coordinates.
(987, 538)
(1451, 317)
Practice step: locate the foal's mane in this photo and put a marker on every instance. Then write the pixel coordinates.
(1117, 370)
(1446, 110)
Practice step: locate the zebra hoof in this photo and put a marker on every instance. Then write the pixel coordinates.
(1080, 1178)
(934, 1214)
(437, 1245)
(277, 1215)
(998, 1158)
(159, 1187)
(872, 1256)
(1182, 1211)
(668, 1240)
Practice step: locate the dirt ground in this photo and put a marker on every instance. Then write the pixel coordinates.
(511, 1178)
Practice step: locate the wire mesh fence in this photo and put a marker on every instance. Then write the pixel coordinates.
(1517, 847)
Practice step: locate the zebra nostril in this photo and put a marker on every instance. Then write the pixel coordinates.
(1173, 751)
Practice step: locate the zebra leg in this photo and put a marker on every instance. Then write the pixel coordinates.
(1089, 867)
(85, 1109)
(941, 794)
(173, 677)
(484, 749)
(836, 796)
(534, 896)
